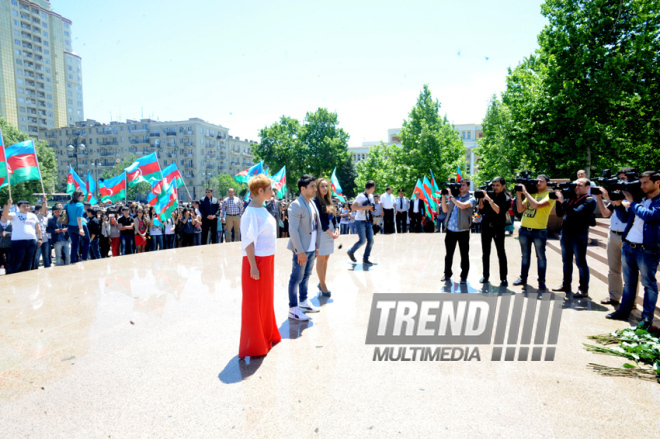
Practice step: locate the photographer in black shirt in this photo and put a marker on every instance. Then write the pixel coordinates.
(494, 207)
(577, 212)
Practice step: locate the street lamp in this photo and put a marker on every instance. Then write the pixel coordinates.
(75, 144)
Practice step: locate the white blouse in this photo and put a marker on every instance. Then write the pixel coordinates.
(258, 227)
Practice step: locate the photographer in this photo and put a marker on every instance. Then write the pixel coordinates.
(641, 250)
(364, 206)
(617, 211)
(493, 211)
(459, 223)
(534, 227)
(577, 212)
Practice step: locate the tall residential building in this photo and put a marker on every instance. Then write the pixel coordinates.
(200, 149)
(40, 75)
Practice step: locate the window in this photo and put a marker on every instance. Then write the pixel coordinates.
(469, 133)
(14, 3)
(20, 90)
(45, 34)
(67, 42)
(70, 102)
(70, 68)
(15, 22)
(47, 70)
(70, 77)
(79, 96)
(78, 88)
(49, 97)
(17, 52)
(46, 26)
(46, 52)
(50, 105)
(80, 113)
(14, 12)
(21, 100)
(48, 61)
(66, 34)
(79, 103)
(46, 43)
(21, 109)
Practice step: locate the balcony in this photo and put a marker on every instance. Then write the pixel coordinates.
(188, 144)
(108, 142)
(134, 142)
(154, 134)
(189, 175)
(190, 155)
(172, 156)
(170, 133)
(137, 130)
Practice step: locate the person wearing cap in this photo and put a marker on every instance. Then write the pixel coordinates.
(59, 237)
(26, 235)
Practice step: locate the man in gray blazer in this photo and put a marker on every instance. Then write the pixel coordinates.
(304, 242)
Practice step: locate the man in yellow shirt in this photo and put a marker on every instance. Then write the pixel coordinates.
(534, 228)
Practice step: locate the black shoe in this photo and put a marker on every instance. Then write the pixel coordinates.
(504, 283)
(562, 289)
(616, 315)
(610, 301)
(368, 262)
(445, 278)
(350, 255)
(645, 324)
(463, 280)
(520, 281)
(581, 295)
(542, 287)
(483, 280)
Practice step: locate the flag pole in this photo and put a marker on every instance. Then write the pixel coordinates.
(2, 145)
(38, 168)
(125, 190)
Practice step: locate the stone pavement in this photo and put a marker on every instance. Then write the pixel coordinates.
(146, 346)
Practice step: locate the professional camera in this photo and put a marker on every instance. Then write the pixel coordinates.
(615, 187)
(451, 186)
(567, 189)
(523, 179)
(488, 187)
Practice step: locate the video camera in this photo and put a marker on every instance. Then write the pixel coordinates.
(567, 189)
(523, 179)
(488, 187)
(451, 186)
(615, 187)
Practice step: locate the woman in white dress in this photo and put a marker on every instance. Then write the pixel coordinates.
(328, 213)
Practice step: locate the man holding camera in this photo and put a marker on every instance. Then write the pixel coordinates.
(641, 250)
(577, 212)
(534, 227)
(617, 211)
(459, 222)
(494, 211)
(364, 206)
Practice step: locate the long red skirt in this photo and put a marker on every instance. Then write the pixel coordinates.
(258, 326)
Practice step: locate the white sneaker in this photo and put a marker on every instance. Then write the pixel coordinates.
(296, 314)
(307, 306)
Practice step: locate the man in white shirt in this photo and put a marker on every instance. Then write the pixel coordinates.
(401, 205)
(387, 202)
(364, 206)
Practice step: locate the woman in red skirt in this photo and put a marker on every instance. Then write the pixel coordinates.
(258, 239)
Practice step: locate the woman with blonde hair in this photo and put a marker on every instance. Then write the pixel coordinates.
(327, 212)
(258, 240)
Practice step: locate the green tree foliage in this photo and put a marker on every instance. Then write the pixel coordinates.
(429, 142)
(137, 192)
(47, 166)
(316, 146)
(226, 181)
(588, 97)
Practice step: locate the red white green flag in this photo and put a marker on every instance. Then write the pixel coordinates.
(22, 164)
(4, 181)
(144, 169)
(279, 183)
(420, 193)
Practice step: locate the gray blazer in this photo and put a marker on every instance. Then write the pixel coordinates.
(300, 231)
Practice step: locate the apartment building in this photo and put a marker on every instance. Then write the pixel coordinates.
(201, 150)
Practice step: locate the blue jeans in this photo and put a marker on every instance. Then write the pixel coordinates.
(94, 249)
(299, 277)
(76, 241)
(198, 239)
(351, 227)
(344, 229)
(127, 242)
(575, 245)
(365, 233)
(22, 252)
(66, 245)
(538, 237)
(44, 252)
(169, 241)
(156, 242)
(638, 262)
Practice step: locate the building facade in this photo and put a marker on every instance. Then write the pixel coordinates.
(40, 75)
(200, 149)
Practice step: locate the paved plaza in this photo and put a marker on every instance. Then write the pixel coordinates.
(146, 346)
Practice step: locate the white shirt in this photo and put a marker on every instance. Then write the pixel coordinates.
(23, 226)
(314, 214)
(361, 215)
(169, 229)
(416, 203)
(616, 224)
(258, 227)
(387, 200)
(636, 233)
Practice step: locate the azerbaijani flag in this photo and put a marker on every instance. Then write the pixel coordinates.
(22, 164)
(73, 182)
(144, 169)
(3, 164)
(113, 189)
(171, 173)
(336, 187)
(244, 176)
(91, 188)
(459, 176)
(158, 189)
(420, 193)
(436, 190)
(166, 204)
(428, 191)
(279, 183)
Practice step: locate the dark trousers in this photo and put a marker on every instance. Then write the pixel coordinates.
(640, 264)
(493, 233)
(94, 250)
(22, 252)
(575, 246)
(401, 222)
(77, 242)
(539, 238)
(209, 226)
(463, 240)
(388, 220)
(127, 242)
(416, 222)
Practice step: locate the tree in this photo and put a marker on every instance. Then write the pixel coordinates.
(47, 166)
(381, 167)
(137, 192)
(226, 181)
(316, 146)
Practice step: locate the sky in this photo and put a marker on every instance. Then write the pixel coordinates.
(244, 64)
